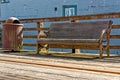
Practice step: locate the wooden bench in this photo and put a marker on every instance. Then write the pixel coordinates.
(80, 35)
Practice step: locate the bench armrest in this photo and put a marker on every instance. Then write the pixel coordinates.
(102, 35)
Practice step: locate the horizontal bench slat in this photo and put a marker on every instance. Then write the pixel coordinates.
(74, 46)
(53, 40)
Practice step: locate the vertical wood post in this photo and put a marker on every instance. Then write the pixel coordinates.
(76, 51)
(39, 26)
(40, 31)
(44, 47)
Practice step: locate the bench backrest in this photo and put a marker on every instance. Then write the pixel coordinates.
(80, 30)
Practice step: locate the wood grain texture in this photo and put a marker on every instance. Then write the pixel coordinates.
(79, 35)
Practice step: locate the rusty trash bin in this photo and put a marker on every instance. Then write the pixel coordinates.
(12, 36)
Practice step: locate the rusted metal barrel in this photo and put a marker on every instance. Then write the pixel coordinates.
(12, 35)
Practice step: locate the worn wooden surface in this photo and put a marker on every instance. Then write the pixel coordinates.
(21, 71)
(77, 35)
(78, 30)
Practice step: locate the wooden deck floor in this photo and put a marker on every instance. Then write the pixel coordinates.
(21, 71)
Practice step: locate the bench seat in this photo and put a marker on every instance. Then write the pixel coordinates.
(65, 41)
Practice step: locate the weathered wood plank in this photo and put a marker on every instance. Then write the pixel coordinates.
(31, 36)
(114, 46)
(43, 28)
(68, 43)
(32, 29)
(81, 17)
(115, 26)
(81, 30)
(43, 36)
(115, 36)
(29, 29)
(73, 46)
(29, 44)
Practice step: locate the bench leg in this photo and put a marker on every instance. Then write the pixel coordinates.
(42, 48)
(37, 46)
(101, 51)
(108, 51)
(73, 50)
(37, 51)
(76, 51)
